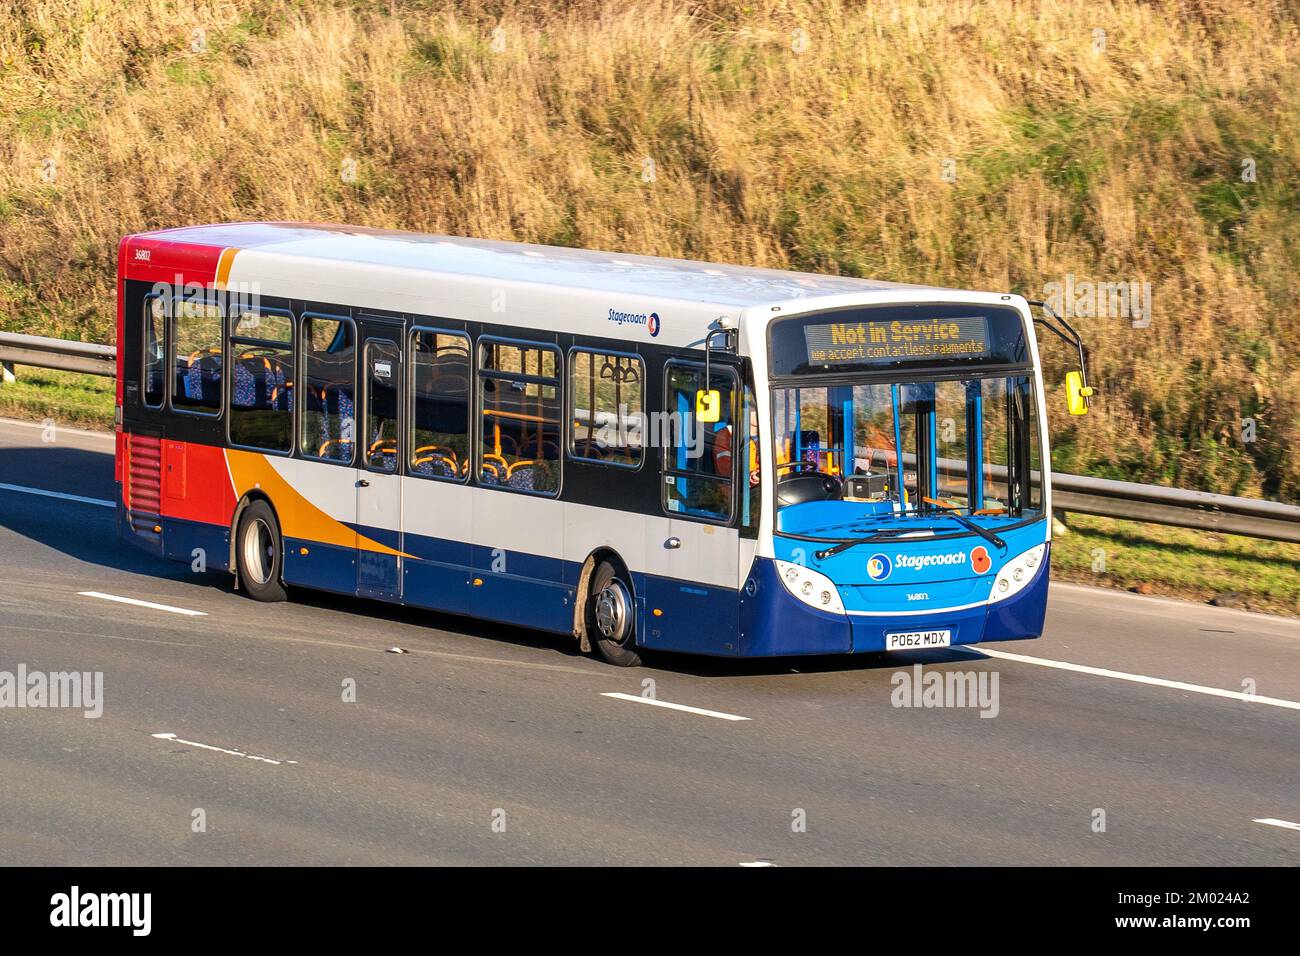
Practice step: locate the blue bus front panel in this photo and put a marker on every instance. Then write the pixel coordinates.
(962, 585)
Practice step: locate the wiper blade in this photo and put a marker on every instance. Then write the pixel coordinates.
(984, 533)
(852, 542)
(891, 533)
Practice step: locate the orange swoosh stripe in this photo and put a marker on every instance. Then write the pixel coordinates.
(223, 267)
(299, 518)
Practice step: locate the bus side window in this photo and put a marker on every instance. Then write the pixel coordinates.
(439, 440)
(196, 356)
(698, 456)
(606, 407)
(328, 389)
(262, 383)
(519, 399)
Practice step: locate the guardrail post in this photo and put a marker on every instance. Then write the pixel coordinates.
(7, 373)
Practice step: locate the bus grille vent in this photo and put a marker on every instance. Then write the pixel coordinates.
(145, 488)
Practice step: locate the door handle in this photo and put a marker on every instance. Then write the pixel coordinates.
(673, 543)
(363, 483)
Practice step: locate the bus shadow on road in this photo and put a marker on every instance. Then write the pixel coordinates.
(81, 530)
(723, 667)
(435, 622)
(509, 635)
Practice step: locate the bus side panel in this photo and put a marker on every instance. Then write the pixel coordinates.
(693, 618)
(315, 503)
(691, 594)
(517, 563)
(436, 522)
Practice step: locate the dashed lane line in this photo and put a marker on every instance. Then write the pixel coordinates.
(138, 603)
(682, 707)
(62, 496)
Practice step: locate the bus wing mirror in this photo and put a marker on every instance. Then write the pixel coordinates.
(1076, 393)
(708, 405)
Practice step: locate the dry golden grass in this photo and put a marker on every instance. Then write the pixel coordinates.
(820, 150)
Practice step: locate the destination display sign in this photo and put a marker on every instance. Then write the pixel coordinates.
(898, 340)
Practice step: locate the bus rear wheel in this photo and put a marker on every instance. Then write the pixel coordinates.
(259, 552)
(611, 617)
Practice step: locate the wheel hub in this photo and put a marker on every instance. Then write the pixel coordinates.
(259, 551)
(613, 619)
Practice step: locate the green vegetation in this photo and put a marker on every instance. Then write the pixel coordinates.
(1200, 566)
(67, 398)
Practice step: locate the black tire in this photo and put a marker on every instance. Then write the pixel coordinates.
(611, 617)
(260, 562)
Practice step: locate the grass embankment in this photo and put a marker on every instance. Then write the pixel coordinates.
(69, 399)
(1199, 566)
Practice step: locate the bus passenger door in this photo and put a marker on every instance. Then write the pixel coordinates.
(693, 555)
(379, 488)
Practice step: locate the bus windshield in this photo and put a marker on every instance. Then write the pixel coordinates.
(916, 456)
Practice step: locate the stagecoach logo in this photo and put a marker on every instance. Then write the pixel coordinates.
(919, 562)
(878, 567)
(650, 321)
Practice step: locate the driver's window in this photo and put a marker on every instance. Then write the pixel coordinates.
(698, 456)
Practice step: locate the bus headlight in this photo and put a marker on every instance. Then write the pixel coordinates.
(1016, 574)
(811, 587)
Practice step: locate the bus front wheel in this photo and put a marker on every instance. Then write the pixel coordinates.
(260, 553)
(611, 617)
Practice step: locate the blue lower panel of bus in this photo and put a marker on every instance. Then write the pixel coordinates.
(966, 627)
(316, 565)
(694, 618)
(1021, 617)
(519, 588)
(191, 541)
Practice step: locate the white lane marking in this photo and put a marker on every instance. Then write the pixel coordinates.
(222, 750)
(138, 603)
(1135, 678)
(663, 703)
(1285, 824)
(759, 863)
(58, 494)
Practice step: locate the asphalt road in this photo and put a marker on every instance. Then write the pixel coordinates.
(494, 745)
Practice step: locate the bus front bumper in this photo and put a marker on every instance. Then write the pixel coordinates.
(774, 623)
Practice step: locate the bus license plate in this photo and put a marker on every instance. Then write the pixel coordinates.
(915, 640)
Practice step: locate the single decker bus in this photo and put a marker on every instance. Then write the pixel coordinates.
(643, 453)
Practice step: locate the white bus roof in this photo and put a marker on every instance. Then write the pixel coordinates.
(426, 274)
